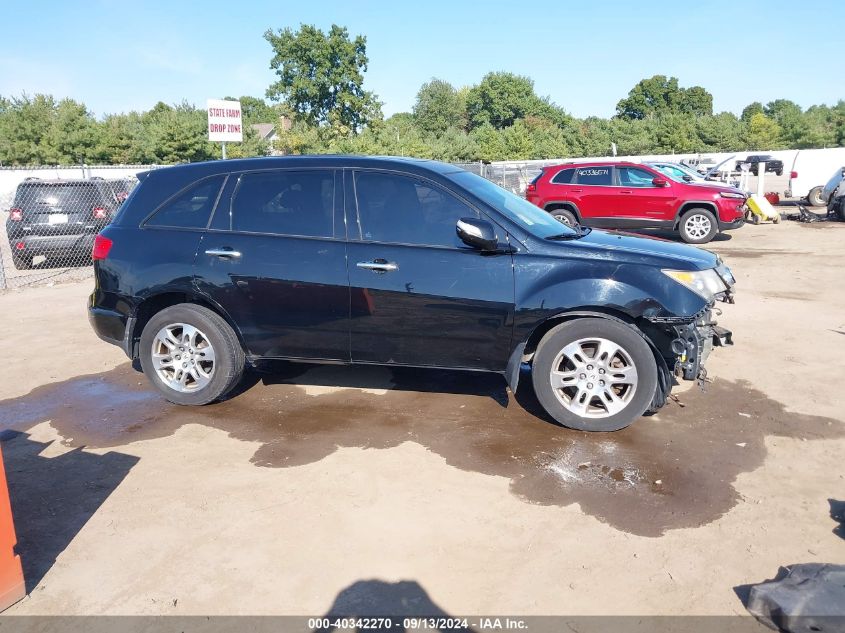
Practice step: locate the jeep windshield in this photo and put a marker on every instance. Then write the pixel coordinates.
(531, 218)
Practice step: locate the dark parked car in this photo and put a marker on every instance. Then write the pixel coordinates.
(211, 267)
(636, 196)
(772, 164)
(58, 218)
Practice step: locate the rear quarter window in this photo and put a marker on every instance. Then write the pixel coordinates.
(191, 208)
(563, 177)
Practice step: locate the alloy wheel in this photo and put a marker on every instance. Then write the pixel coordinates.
(183, 357)
(594, 377)
(698, 226)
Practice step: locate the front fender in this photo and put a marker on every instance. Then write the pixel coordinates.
(631, 291)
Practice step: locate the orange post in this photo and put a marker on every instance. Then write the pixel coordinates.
(12, 586)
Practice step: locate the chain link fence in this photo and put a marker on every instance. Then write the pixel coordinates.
(513, 176)
(50, 218)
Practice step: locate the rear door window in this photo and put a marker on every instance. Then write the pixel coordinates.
(190, 209)
(563, 177)
(600, 175)
(285, 202)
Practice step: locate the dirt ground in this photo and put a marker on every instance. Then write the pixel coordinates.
(330, 488)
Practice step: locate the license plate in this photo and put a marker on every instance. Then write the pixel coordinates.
(57, 218)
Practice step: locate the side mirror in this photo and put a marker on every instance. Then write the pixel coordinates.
(687, 178)
(479, 234)
(660, 182)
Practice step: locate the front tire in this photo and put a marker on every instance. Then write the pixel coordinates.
(815, 197)
(594, 374)
(191, 354)
(564, 216)
(698, 226)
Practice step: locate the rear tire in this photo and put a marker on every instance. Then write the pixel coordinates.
(627, 375)
(22, 263)
(815, 197)
(564, 216)
(698, 226)
(191, 354)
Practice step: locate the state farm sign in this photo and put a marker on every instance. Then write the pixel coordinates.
(224, 121)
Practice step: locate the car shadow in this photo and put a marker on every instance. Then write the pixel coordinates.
(673, 236)
(393, 600)
(53, 498)
(837, 513)
(394, 378)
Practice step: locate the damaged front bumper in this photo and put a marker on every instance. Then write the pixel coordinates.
(693, 344)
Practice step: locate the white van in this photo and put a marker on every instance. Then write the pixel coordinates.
(811, 170)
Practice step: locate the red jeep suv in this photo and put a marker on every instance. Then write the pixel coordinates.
(636, 196)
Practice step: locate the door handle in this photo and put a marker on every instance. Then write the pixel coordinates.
(378, 266)
(626, 191)
(222, 252)
(576, 190)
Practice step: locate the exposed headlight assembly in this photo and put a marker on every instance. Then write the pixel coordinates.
(706, 283)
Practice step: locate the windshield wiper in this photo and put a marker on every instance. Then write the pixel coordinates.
(576, 234)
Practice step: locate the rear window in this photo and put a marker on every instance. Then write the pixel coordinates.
(190, 209)
(563, 177)
(69, 197)
(594, 176)
(285, 202)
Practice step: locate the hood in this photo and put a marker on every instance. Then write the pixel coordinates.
(719, 186)
(638, 249)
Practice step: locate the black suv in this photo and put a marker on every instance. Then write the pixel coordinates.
(772, 164)
(212, 267)
(59, 218)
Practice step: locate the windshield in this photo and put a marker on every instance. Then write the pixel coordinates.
(531, 218)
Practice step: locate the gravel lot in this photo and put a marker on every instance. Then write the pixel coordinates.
(325, 486)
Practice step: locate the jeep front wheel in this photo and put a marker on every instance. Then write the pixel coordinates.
(594, 374)
(698, 226)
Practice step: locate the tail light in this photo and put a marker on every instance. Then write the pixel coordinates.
(15, 215)
(793, 174)
(102, 246)
(531, 188)
(100, 213)
(20, 246)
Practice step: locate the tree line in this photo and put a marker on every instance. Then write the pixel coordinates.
(320, 91)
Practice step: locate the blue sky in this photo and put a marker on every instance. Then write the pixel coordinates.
(117, 56)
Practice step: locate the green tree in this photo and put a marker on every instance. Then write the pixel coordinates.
(750, 110)
(321, 76)
(122, 140)
(73, 135)
(660, 95)
(763, 133)
(255, 110)
(789, 116)
(722, 132)
(177, 134)
(697, 101)
(438, 107)
(25, 123)
(489, 142)
(502, 98)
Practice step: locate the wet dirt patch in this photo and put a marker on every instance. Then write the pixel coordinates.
(672, 470)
